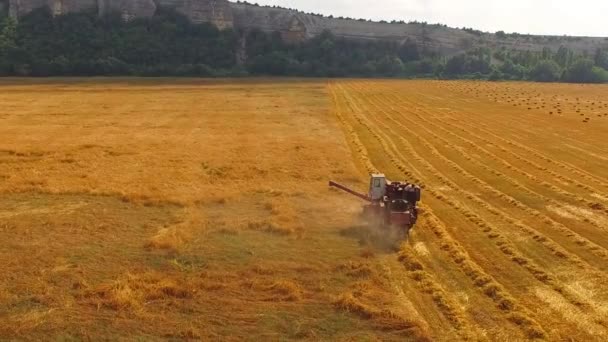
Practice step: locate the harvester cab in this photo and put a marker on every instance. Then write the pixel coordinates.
(377, 186)
(390, 203)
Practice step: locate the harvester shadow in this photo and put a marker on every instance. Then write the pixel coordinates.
(382, 240)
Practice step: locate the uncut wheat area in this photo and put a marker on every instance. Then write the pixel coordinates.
(162, 209)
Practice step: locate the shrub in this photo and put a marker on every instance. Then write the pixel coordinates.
(496, 76)
(545, 71)
(584, 71)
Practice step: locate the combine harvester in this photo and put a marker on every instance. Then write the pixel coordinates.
(391, 204)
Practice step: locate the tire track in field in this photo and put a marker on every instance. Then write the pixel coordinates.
(543, 157)
(566, 195)
(559, 164)
(510, 220)
(425, 282)
(533, 118)
(506, 164)
(486, 285)
(588, 204)
(579, 240)
(536, 166)
(589, 154)
(513, 311)
(549, 244)
(505, 246)
(527, 161)
(503, 176)
(569, 113)
(451, 184)
(473, 128)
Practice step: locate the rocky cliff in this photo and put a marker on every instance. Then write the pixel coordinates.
(217, 12)
(297, 26)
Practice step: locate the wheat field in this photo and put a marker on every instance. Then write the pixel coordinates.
(155, 209)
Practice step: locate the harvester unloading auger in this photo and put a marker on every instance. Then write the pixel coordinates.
(391, 204)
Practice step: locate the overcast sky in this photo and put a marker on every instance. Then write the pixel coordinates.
(558, 17)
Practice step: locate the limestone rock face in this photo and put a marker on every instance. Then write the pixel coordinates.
(128, 9)
(293, 26)
(217, 12)
(18, 8)
(296, 31)
(296, 26)
(59, 7)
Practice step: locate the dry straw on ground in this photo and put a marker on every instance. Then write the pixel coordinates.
(139, 204)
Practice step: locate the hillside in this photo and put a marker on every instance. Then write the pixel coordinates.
(442, 39)
(296, 26)
(221, 38)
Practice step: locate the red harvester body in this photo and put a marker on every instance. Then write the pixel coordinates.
(390, 203)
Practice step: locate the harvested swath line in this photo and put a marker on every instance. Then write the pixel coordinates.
(362, 151)
(579, 172)
(541, 238)
(348, 302)
(529, 162)
(581, 241)
(522, 159)
(424, 280)
(502, 243)
(588, 153)
(533, 270)
(490, 287)
(587, 203)
(554, 247)
(581, 216)
(445, 122)
(505, 177)
(559, 111)
(509, 166)
(428, 285)
(506, 303)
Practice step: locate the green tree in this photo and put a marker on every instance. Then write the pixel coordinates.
(274, 63)
(409, 51)
(600, 75)
(455, 65)
(601, 58)
(495, 75)
(478, 61)
(390, 66)
(8, 44)
(562, 56)
(545, 71)
(168, 44)
(512, 71)
(584, 70)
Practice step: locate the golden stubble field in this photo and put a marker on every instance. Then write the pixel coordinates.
(191, 209)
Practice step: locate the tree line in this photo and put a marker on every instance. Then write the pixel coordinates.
(168, 44)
